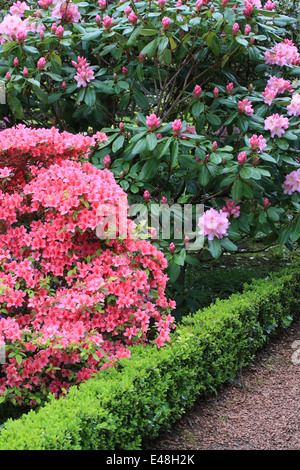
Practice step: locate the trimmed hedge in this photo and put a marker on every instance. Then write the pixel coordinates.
(124, 406)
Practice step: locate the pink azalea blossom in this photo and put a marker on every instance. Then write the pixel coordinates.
(276, 124)
(213, 224)
(293, 109)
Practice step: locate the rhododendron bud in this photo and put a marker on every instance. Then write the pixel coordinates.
(16, 61)
(153, 122)
(133, 18)
(266, 203)
(121, 126)
(106, 161)
(212, 8)
(146, 195)
(54, 28)
(41, 64)
(235, 29)
(25, 72)
(231, 209)
(255, 160)
(186, 240)
(224, 3)
(172, 247)
(108, 22)
(161, 3)
(21, 36)
(8, 76)
(125, 71)
(102, 4)
(176, 126)
(242, 158)
(247, 29)
(159, 136)
(197, 91)
(214, 146)
(60, 31)
(64, 86)
(164, 200)
(199, 5)
(142, 57)
(98, 20)
(270, 5)
(229, 88)
(216, 92)
(165, 23)
(128, 10)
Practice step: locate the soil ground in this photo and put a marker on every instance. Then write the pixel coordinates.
(258, 411)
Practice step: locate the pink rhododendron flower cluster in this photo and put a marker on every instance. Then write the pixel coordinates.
(67, 12)
(275, 86)
(283, 53)
(293, 109)
(249, 5)
(73, 302)
(245, 106)
(270, 5)
(292, 182)
(231, 209)
(18, 8)
(84, 74)
(276, 124)
(258, 143)
(213, 224)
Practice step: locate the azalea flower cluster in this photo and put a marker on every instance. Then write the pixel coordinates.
(72, 303)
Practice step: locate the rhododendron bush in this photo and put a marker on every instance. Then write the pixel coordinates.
(199, 101)
(71, 303)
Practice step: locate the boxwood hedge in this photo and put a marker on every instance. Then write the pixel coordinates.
(122, 407)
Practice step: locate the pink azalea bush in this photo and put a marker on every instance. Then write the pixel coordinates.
(72, 302)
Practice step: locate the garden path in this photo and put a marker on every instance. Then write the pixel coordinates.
(258, 411)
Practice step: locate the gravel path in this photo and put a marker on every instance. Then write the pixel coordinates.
(259, 411)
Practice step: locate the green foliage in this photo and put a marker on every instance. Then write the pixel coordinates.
(124, 406)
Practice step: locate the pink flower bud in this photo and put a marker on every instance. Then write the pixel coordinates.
(255, 160)
(25, 72)
(172, 247)
(54, 28)
(186, 240)
(125, 71)
(8, 76)
(242, 158)
(102, 4)
(98, 20)
(164, 200)
(247, 29)
(266, 203)
(235, 29)
(216, 92)
(127, 11)
(161, 3)
(106, 161)
(199, 5)
(159, 136)
(214, 146)
(41, 64)
(146, 196)
(21, 36)
(108, 22)
(121, 126)
(197, 91)
(60, 31)
(16, 61)
(64, 86)
(176, 126)
(133, 18)
(153, 122)
(142, 57)
(229, 88)
(165, 23)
